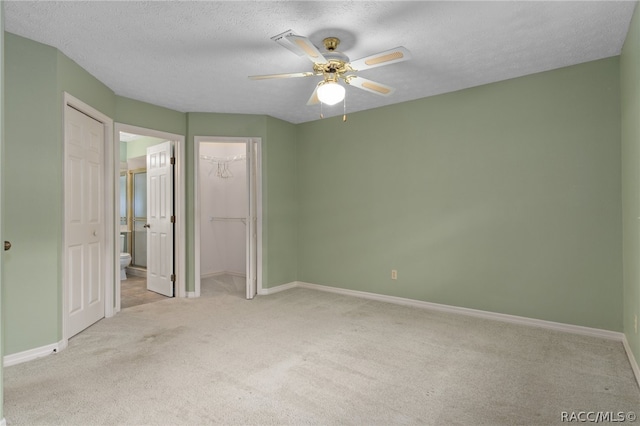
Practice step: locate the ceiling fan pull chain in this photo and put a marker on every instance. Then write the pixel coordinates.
(321, 114)
(344, 109)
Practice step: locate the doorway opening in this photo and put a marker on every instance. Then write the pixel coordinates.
(151, 216)
(133, 220)
(228, 221)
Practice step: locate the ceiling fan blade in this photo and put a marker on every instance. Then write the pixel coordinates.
(300, 45)
(306, 47)
(387, 57)
(286, 75)
(313, 100)
(282, 41)
(370, 86)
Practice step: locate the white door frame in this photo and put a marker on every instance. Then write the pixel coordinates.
(109, 242)
(179, 197)
(258, 197)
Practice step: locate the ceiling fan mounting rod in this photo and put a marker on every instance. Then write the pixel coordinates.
(331, 43)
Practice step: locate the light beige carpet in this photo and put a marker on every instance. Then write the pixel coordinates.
(308, 357)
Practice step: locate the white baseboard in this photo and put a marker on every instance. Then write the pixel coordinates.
(215, 274)
(568, 328)
(278, 288)
(514, 319)
(136, 272)
(31, 354)
(632, 359)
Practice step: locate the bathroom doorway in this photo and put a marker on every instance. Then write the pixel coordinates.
(133, 234)
(138, 148)
(228, 216)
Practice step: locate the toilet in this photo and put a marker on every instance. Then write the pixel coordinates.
(125, 259)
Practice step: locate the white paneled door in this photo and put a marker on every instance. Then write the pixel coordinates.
(84, 220)
(160, 219)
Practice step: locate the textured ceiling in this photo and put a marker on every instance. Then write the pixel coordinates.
(197, 55)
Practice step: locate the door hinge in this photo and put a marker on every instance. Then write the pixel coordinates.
(173, 161)
(173, 219)
(173, 277)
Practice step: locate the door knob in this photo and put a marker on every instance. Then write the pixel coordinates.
(95, 233)
(146, 225)
(7, 245)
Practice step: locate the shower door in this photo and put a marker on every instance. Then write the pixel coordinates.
(139, 218)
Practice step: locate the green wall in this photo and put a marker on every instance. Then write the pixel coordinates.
(630, 100)
(149, 116)
(37, 76)
(32, 193)
(137, 148)
(280, 203)
(71, 78)
(504, 198)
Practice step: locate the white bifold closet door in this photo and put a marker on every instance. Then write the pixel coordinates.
(84, 220)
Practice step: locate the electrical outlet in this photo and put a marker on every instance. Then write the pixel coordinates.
(394, 274)
(635, 323)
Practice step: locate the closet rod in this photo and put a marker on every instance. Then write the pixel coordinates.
(228, 219)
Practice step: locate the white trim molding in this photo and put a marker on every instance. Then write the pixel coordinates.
(514, 319)
(632, 359)
(31, 354)
(278, 288)
(217, 274)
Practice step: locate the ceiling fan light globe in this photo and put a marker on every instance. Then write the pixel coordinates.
(330, 93)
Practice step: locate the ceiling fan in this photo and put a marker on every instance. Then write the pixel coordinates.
(334, 66)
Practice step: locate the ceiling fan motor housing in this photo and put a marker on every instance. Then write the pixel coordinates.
(337, 62)
(332, 66)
